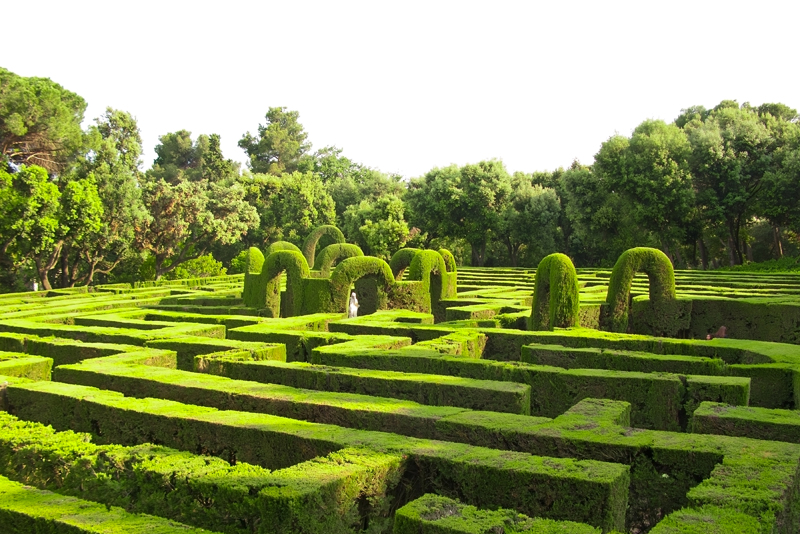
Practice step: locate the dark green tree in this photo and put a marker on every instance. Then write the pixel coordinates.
(40, 121)
(281, 145)
(651, 170)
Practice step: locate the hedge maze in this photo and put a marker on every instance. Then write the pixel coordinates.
(459, 401)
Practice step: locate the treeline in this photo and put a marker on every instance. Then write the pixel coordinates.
(715, 187)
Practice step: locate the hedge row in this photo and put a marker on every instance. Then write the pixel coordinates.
(434, 514)
(660, 401)
(323, 495)
(26, 510)
(586, 491)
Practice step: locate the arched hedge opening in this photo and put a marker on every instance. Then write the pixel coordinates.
(659, 272)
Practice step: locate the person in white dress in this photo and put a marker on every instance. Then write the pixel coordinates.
(352, 310)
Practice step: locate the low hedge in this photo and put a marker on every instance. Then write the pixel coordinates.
(323, 495)
(586, 491)
(26, 510)
(435, 514)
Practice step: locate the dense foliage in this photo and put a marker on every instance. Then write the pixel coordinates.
(715, 187)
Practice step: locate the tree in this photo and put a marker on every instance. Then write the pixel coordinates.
(378, 226)
(731, 152)
(111, 160)
(651, 171)
(289, 206)
(462, 203)
(29, 220)
(529, 223)
(281, 145)
(40, 121)
(351, 183)
(779, 200)
(194, 199)
(603, 225)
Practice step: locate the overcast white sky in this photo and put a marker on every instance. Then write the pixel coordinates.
(407, 86)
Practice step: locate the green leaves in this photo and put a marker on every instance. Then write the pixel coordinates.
(40, 121)
(280, 146)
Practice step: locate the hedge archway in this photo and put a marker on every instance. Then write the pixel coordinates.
(352, 269)
(296, 268)
(555, 297)
(401, 260)
(310, 244)
(334, 253)
(281, 245)
(660, 273)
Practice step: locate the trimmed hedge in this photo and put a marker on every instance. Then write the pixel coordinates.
(660, 401)
(310, 244)
(586, 491)
(746, 421)
(26, 510)
(555, 297)
(401, 260)
(434, 390)
(662, 285)
(281, 245)
(434, 514)
(296, 268)
(332, 254)
(353, 269)
(25, 366)
(323, 495)
(429, 267)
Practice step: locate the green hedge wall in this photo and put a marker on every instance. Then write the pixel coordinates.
(310, 244)
(555, 297)
(662, 285)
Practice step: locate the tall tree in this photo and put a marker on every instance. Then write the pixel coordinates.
(40, 121)
(195, 201)
(779, 200)
(281, 145)
(603, 225)
(651, 170)
(289, 206)
(377, 225)
(111, 160)
(529, 223)
(463, 203)
(30, 218)
(731, 152)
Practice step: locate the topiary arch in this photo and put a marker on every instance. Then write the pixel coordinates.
(333, 253)
(449, 260)
(310, 245)
(401, 260)
(659, 271)
(429, 267)
(253, 286)
(555, 297)
(296, 269)
(352, 269)
(281, 245)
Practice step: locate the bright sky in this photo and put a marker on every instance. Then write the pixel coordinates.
(407, 86)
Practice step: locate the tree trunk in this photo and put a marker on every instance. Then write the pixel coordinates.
(703, 253)
(776, 233)
(731, 251)
(478, 254)
(733, 231)
(678, 256)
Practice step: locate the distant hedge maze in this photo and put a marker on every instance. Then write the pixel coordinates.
(459, 401)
